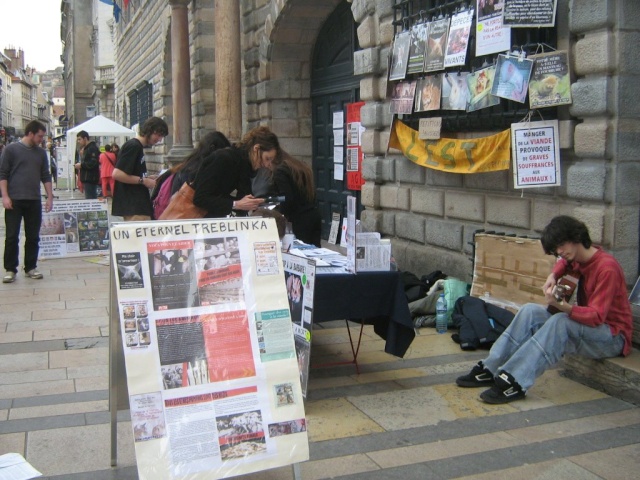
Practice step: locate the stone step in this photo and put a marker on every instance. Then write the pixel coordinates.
(618, 377)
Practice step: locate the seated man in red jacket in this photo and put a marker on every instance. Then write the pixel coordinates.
(599, 325)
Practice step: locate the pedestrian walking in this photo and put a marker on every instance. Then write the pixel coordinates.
(23, 166)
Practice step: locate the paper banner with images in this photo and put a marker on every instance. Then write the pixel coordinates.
(75, 228)
(470, 155)
(300, 274)
(436, 45)
(354, 156)
(402, 96)
(428, 93)
(536, 154)
(417, 47)
(208, 342)
(480, 83)
(400, 56)
(491, 35)
(550, 80)
(455, 91)
(530, 13)
(458, 40)
(511, 80)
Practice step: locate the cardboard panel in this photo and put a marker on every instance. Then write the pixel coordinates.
(510, 271)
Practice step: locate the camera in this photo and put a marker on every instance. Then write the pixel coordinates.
(274, 199)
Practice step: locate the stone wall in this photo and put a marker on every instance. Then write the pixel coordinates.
(143, 43)
(431, 215)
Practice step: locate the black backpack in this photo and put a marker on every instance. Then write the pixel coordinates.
(480, 323)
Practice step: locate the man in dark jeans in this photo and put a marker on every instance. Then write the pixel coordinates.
(89, 165)
(23, 166)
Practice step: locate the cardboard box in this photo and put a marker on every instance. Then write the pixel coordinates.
(510, 271)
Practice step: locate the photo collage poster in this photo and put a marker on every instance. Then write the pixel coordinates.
(443, 43)
(75, 228)
(208, 342)
(300, 275)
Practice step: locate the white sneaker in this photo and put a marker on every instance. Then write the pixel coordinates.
(9, 277)
(34, 273)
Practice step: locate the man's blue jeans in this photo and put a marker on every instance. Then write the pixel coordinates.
(537, 340)
(31, 211)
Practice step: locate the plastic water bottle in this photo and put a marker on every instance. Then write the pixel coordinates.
(441, 314)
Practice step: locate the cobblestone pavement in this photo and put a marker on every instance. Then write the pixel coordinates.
(400, 418)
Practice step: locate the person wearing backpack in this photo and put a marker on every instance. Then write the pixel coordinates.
(89, 165)
(172, 179)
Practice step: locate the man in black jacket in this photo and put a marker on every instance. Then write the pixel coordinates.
(89, 165)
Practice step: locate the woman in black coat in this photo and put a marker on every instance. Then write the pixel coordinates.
(230, 170)
(293, 179)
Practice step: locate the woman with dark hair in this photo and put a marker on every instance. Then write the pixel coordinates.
(230, 169)
(293, 179)
(186, 170)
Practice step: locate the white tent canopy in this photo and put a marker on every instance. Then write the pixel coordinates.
(98, 126)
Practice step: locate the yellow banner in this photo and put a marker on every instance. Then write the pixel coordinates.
(469, 155)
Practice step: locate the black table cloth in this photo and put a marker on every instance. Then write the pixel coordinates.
(376, 298)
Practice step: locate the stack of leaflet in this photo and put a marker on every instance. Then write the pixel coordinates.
(326, 260)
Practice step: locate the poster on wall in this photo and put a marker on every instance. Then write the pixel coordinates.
(536, 154)
(550, 80)
(299, 275)
(530, 13)
(511, 80)
(400, 56)
(428, 93)
(458, 40)
(436, 45)
(417, 47)
(75, 228)
(209, 350)
(354, 148)
(491, 35)
(455, 91)
(480, 83)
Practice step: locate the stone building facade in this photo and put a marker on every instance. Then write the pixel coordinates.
(429, 215)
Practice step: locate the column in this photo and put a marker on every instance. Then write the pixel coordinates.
(180, 81)
(227, 69)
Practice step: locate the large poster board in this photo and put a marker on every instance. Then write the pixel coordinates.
(209, 351)
(75, 228)
(300, 278)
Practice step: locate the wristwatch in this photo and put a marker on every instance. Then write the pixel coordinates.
(140, 180)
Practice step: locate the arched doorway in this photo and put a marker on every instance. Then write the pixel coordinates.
(332, 86)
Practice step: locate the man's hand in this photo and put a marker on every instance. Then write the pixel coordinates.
(547, 288)
(49, 205)
(149, 182)
(7, 203)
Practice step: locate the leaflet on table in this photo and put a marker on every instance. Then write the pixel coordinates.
(299, 274)
(75, 228)
(210, 356)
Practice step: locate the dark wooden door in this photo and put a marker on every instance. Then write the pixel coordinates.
(333, 85)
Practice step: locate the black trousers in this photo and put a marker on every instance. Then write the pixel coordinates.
(31, 212)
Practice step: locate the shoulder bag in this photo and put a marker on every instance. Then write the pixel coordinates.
(181, 205)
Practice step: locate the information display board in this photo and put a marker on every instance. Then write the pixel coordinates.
(300, 278)
(212, 375)
(75, 228)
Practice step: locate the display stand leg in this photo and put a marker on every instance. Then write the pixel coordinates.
(113, 364)
(354, 350)
(297, 473)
